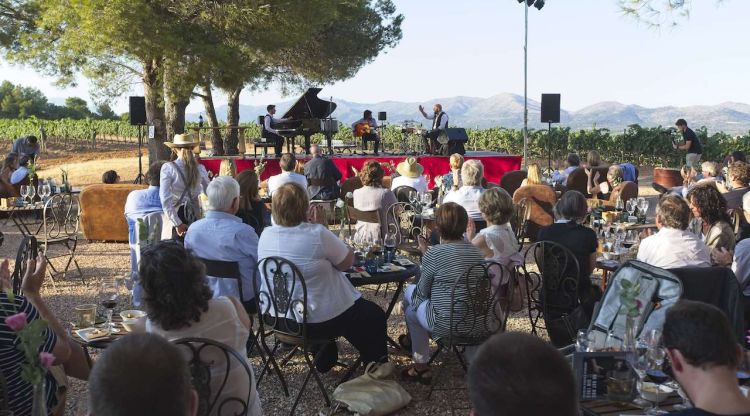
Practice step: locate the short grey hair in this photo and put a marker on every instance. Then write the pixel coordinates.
(221, 192)
(710, 167)
(472, 173)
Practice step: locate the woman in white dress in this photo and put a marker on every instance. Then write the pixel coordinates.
(181, 183)
(372, 196)
(179, 304)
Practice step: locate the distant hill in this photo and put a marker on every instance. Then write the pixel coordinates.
(506, 110)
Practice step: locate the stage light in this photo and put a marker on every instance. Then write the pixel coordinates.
(530, 2)
(539, 4)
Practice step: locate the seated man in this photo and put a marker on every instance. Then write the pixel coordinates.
(468, 194)
(573, 161)
(520, 374)
(230, 240)
(110, 177)
(21, 172)
(140, 203)
(704, 354)
(287, 163)
(141, 374)
(15, 314)
(26, 146)
(322, 176)
(673, 245)
(366, 128)
(409, 174)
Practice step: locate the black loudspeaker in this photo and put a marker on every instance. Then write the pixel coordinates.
(550, 108)
(381, 116)
(137, 110)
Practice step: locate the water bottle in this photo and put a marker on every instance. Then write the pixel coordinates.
(390, 247)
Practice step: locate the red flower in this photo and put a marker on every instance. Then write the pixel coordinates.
(16, 322)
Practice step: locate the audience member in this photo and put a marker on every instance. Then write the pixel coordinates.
(26, 146)
(709, 173)
(410, 174)
(231, 241)
(427, 311)
(608, 190)
(110, 177)
(179, 304)
(287, 163)
(181, 183)
(737, 156)
(673, 245)
(533, 175)
(739, 178)
(339, 309)
(712, 222)
(253, 211)
(468, 195)
(141, 374)
(570, 212)
(21, 172)
(704, 356)
(451, 181)
(322, 176)
(573, 161)
(10, 164)
(593, 159)
(68, 356)
(497, 240)
(520, 374)
(372, 196)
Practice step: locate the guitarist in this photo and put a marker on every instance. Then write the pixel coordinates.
(366, 128)
(439, 122)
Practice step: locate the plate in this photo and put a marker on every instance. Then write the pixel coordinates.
(403, 262)
(92, 334)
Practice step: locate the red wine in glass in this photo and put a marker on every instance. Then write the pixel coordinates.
(109, 303)
(657, 376)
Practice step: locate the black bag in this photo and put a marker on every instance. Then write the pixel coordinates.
(562, 331)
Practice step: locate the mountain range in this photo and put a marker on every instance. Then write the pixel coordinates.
(506, 110)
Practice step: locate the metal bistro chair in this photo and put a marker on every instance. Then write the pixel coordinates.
(282, 302)
(355, 215)
(206, 357)
(402, 193)
(61, 218)
(407, 231)
(552, 289)
(27, 250)
(521, 221)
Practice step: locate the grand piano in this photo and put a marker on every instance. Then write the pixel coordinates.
(307, 116)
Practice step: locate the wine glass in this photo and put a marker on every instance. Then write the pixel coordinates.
(24, 191)
(413, 197)
(631, 239)
(108, 294)
(47, 190)
(639, 363)
(31, 193)
(643, 205)
(389, 244)
(656, 355)
(631, 205)
(426, 199)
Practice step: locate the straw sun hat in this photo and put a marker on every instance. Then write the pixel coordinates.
(183, 140)
(409, 168)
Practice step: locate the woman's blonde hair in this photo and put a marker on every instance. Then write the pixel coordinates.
(616, 172)
(248, 181)
(191, 165)
(534, 175)
(289, 205)
(456, 161)
(496, 205)
(227, 168)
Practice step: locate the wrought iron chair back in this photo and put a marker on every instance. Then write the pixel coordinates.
(552, 289)
(402, 193)
(224, 270)
(521, 221)
(62, 213)
(27, 250)
(408, 226)
(282, 299)
(207, 357)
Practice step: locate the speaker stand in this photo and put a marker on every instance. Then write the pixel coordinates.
(140, 178)
(549, 146)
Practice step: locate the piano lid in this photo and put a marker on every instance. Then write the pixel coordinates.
(310, 106)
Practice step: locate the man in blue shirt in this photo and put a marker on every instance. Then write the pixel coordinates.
(26, 146)
(138, 204)
(222, 236)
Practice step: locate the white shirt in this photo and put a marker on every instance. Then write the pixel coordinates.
(315, 251)
(418, 183)
(500, 239)
(741, 263)
(274, 182)
(443, 121)
(467, 197)
(171, 187)
(671, 248)
(267, 120)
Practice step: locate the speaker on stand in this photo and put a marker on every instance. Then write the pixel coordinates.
(382, 117)
(137, 108)
(550, 114)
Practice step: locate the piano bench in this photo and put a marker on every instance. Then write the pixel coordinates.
(340, 146)
(265, 145)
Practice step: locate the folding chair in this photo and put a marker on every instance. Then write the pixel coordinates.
(521, 221)
(61, 217)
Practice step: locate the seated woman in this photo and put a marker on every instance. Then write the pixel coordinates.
(336, 307)
(533, 175)
(452, 180)
(593, 159)
(711, 220)
(608, 190)
(497, 240)
(179, 304)
(252, 210)
(372, 196)
(10, 164)
(427, 310)
(571, 211)
(468, 195)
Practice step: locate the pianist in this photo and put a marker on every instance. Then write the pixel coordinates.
(269, 133)
(439, 122)
(366, 128)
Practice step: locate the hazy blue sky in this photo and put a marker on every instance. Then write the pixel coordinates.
(584, 49)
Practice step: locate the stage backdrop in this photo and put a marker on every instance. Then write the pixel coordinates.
(494, 166)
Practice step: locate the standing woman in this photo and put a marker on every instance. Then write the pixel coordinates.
(182, 182)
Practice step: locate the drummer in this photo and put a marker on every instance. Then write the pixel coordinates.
(366, 128)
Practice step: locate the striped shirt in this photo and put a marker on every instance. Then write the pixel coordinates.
(442, 265)
(11, 358)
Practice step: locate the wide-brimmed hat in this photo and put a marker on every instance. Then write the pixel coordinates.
(409, 168)
(183, 140)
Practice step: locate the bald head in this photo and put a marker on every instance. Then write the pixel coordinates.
(315, 150)
(437, 108)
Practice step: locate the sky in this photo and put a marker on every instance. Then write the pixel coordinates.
(585, 50)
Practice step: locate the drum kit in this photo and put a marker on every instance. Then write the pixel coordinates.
(411, 138)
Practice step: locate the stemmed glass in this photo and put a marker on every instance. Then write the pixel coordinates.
(656, 355)
(643, 205)
(631, 206)
(639, 363)
(389, 245)
(31, 192)
(44, 191)
(109, 292)
(426, 199)
(413, 197)
(631, 239)
(24, 191)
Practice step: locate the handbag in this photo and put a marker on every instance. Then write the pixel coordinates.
(368, 395)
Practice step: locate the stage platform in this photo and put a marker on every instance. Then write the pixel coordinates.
(495, 164)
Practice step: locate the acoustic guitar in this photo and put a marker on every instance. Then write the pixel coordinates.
(361, 129)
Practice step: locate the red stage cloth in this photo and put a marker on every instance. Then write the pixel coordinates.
(494, 166)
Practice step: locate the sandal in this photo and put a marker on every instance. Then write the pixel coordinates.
(404, 341)
(412, 373)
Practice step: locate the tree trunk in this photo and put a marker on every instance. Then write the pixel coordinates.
(233, 119)
(208, 103)
(152, 91)
(176, 100)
